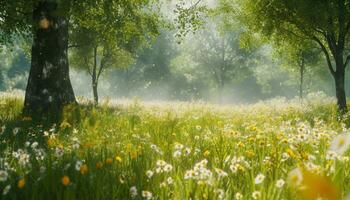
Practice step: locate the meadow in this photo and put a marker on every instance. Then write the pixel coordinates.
(173, 150)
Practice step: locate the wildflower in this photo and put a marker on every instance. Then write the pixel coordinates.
(109, 161)
(15, 131)
(177, 153)
(259, 178)
(295, 177)
(280, 183)
(3, 175)
(34, 145)
(340, 143)
(221, 193)
(99, 165)
(118, 158)
(162, 166)
(84, 169)
(78, 164)
(149, 174)
(256, 195)
(133, 154)
(147, 195)
(238, 196)
(21, 183)
(206, 153)
(42, 169)
(188, 151)
(65, 180)
(198, 127)
(170, 180)
(221, 173)
(6, 190)
(133, 191)
(50, 142)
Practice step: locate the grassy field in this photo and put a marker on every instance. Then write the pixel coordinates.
(132, 150)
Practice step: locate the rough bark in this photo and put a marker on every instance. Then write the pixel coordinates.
(49, 87)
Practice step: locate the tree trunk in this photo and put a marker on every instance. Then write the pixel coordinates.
(94, 88)
(302, 71)
(95, 78)
(339, 78)
(49, 87)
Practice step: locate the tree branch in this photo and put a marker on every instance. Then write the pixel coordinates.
(347, 61)
(325, 51)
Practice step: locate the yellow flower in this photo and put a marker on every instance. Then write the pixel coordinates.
(109, 161)
(21, 183)
(84, 169)
(99, 165)
(118, 158)
(65, 125)
(133, 155)
(206, 153)
(51, 142)
(291, 153)
(250, 153)
(319, 187)
(65, 180)
(295, 177)
(240, 144)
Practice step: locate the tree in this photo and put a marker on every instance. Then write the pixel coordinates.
(298, 55)
(221, 54)
(48, 23)
(328, 28)
(123, 27)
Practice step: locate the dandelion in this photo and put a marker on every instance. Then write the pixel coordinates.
(259, 178)
(295, 177)
(99, 165)
(340, 143)
(280, 183)
(21, 183)
(3, 176)
(206, 153)
(133, 191)
(118, 158)
(147, 195)
(6, 190)
(65, 180)
(256, 195)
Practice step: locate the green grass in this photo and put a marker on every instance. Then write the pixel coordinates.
(119, 144)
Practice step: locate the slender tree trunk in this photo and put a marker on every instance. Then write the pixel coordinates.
(95, 78)
(339, 78)
(94, 88)
(49, 87)
(302, 71)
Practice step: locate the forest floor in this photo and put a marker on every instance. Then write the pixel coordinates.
(176, 151)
